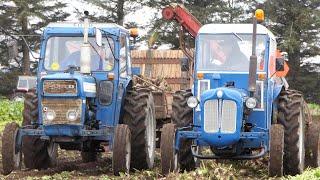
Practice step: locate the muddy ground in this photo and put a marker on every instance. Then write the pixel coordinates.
(70, 166)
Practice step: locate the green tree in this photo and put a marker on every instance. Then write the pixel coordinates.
(206, 11)
(113, 11)
(25, 18)
(297, 24)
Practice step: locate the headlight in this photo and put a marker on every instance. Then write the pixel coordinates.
(219, 94)
(72, 115)
(50, 115)
(251, 103)
(192, 102)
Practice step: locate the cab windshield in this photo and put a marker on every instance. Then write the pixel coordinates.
(61, 52)
(229, 52)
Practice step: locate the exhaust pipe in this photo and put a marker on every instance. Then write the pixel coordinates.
(85, 51)
(258, 17)
(253, 61)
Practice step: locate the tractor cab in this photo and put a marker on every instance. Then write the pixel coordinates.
(239, 105)
(84, 101)
(221, 81)
(93, 82)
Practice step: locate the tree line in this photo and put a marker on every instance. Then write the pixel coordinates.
(296, 23)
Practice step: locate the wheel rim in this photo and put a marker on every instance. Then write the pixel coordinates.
(150, 135)
(16, 154)
(128, 155)
(51, 149)
(175, 156)
(301, 137)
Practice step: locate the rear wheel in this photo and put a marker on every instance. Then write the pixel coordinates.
(11, 157)
(182, 116)
(169, 156)
(139, 115)
(121, 149)
(292, 117)
(276, 150)
(38, 154)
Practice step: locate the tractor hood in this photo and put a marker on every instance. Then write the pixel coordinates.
(68, 85)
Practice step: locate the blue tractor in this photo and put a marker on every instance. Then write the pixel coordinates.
(240, 106)
(84, 100)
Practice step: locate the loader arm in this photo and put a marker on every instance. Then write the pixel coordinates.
(188, 23)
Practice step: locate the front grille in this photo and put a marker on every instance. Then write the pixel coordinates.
(60, 86)
(228, 116)
(61, 107)
(211, 116)
(220, 115)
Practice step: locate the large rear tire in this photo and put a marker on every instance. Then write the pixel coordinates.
(182, 116)
(169, 156)
(11, 157)
(121, 150)
(276, 150)
(139, 115)
(38, 154)
(292, 117)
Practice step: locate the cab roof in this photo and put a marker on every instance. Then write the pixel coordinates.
(234, 28)
(76, 27)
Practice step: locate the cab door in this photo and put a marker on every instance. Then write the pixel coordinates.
(123, 72)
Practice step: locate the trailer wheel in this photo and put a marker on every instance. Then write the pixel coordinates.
(139, 115)
(38, 154)
(276, 150)
(313, 146)
(182, 116)
(11, 157)
(121, 149)
(292, 117)
(169, 156)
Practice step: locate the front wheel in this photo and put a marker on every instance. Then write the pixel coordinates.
(276, 150)
(11, 157)
(121, 154)
(169, 156)
(313, 146)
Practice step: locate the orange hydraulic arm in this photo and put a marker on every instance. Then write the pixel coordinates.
(188, 24)
(183, 17)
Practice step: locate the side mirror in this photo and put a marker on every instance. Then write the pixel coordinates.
(98, 37)
(285, 56)
(279, 64)
(12, 46)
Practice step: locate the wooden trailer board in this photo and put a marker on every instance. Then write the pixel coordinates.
(162, 64)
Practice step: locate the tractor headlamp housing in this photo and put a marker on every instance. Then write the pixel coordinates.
(49, 115)
(192, 102)
(251, 102)
(72, 115)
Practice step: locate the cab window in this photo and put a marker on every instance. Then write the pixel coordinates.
(123, 56)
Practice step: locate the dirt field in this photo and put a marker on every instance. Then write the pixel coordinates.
(70, 166)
